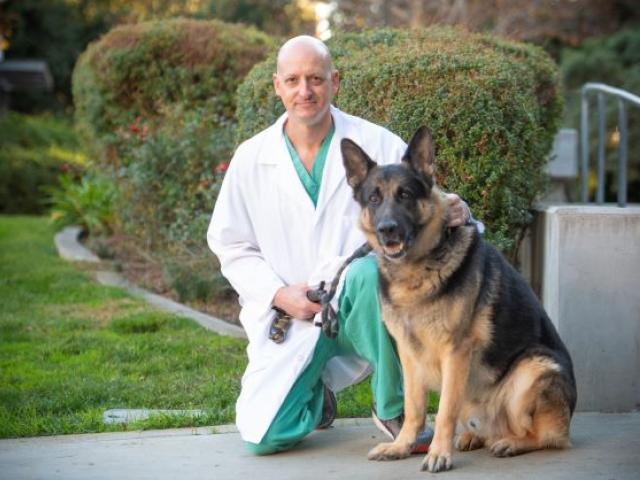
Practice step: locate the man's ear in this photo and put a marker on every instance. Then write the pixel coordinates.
(420, 154)
(276, 84)
(335, 82)
(356, 163)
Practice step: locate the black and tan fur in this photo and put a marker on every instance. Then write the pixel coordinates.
(465, 322)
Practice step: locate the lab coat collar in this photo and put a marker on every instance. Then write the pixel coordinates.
(288, 179)
(334, 172)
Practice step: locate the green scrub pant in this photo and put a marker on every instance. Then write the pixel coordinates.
(361, 333)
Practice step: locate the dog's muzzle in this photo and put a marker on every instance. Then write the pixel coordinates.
(391, 238)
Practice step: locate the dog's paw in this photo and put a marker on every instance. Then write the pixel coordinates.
(437, 462)
(467, 441)
(505, 447)
(389, 451)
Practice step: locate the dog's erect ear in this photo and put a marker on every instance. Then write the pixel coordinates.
(420, 154)
(356, 162)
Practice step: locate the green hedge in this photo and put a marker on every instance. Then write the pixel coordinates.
(493, 106)
(156, 103)
(135, 76)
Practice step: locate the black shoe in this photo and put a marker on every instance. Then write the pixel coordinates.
(391, 428)
(329, 409)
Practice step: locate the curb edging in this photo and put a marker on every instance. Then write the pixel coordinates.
(71, 249)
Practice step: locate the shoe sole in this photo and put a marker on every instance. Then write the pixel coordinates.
(422, 443)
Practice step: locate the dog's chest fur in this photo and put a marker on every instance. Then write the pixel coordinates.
(427, 325)
(420, 335)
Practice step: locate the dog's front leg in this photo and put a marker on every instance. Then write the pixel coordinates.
(455, 371)
(414, 411)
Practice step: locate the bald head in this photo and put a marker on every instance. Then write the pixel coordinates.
(306, 83)
(304, 46)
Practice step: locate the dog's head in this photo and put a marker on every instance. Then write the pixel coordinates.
(398, 201)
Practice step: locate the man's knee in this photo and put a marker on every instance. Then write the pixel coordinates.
(271, 444)
(261, 448)
(362, 275)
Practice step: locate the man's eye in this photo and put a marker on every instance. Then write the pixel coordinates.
(317, 80)
(290, 81)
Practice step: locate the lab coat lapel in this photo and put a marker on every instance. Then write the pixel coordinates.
(287, 178)
(334, 173)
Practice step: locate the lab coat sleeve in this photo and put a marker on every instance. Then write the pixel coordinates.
(231, 237)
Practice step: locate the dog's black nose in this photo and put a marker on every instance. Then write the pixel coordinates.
(387, 227)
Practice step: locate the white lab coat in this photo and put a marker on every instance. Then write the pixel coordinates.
(267, 234)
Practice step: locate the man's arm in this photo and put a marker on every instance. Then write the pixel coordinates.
(231, 237)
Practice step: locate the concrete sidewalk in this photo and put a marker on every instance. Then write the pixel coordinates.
(605, 446)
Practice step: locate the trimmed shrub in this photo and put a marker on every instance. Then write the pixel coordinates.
(493, 106)
(156, 101)
(142, 72)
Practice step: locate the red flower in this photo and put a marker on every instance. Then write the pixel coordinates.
(222, 167)
(134, 127)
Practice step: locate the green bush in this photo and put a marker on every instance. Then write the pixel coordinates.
(141, 73)
(35, 151)
(88, 203)
(493, 107)
(156, 101)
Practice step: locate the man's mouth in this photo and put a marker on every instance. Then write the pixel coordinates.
(393, 249)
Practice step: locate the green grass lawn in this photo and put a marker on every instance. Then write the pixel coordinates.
(71, 349)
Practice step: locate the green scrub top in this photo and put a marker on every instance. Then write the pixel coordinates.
(312, 180)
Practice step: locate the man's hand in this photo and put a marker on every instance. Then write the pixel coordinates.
(293, 300)
(458, 210)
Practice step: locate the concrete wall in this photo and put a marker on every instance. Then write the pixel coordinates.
(586, 267)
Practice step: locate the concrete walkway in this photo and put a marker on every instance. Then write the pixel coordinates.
(605, 446)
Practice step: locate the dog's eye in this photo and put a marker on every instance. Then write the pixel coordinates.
(405, 195)
(374, 198)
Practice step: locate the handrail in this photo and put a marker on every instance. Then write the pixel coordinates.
(623, 97)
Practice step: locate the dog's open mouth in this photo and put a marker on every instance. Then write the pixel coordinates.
(393, 249)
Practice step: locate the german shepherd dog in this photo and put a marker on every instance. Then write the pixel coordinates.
(464, 321)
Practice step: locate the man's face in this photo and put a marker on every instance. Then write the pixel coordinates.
(306, 85)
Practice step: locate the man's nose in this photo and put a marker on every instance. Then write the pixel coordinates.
(305, 88)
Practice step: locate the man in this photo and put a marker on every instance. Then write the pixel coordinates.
(284, 221)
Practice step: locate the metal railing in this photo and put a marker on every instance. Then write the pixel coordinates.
(623, 98)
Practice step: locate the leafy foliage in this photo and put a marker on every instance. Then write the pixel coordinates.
(88, 203)
(156, 101)
(493, 107)
(35, 151)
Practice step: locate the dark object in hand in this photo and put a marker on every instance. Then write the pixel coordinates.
(315, 295)
(279, 325)
(329, 319)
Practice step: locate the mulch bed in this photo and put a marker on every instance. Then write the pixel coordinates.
(143, 270)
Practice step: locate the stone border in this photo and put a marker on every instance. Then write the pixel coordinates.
(71, 249)
(124, 416)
